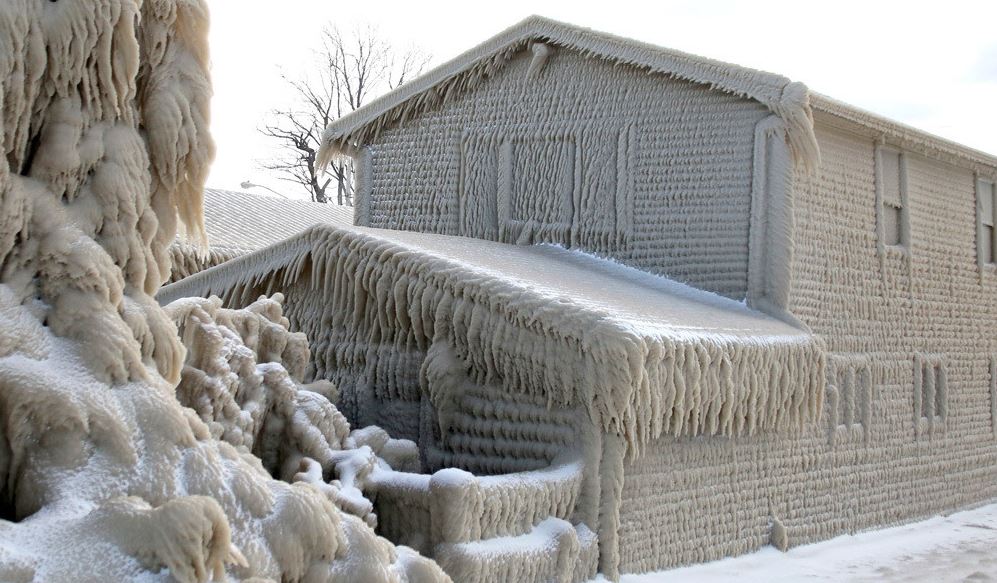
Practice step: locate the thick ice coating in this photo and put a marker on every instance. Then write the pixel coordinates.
(105, 476)
(511, 357)
(643, 355)
(242, 376)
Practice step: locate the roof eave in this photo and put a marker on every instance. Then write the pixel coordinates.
(902, 135)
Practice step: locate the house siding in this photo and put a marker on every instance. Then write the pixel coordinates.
(651, 171)
(876, 309)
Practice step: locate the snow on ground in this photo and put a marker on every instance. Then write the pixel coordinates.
(960, 547)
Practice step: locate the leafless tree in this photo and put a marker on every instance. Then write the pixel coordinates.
(350, 70)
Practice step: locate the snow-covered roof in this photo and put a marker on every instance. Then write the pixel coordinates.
(790, 100)
(241, 222)
(643, 353)
(646, 304)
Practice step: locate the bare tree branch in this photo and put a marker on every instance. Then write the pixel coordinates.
(351, 69)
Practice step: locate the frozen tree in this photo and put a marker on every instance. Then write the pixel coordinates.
(352, 68)
(105, 475)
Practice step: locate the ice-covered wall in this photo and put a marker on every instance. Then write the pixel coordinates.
(578, 150)
(103, 474)
(883, 313)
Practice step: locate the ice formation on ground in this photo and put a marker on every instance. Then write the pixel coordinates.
(105, 476)
(242, 376)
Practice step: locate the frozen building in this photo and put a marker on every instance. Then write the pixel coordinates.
(615, 416)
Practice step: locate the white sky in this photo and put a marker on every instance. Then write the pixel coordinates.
(930, 65)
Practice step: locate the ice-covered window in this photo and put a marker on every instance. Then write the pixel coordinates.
(850, 396)
(892, 185)
(993, 394)
(566, 186)
(930, 393)
(986, 243)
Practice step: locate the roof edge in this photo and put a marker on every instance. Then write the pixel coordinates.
(902, 134)
(791, 101)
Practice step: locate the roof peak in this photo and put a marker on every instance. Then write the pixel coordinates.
(479, 63)
(791, 101)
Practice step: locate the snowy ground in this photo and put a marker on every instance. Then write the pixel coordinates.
(960, 547)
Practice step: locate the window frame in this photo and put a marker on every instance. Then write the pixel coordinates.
(937, 405)
(981, 226)
(851, 391)
(993, 393)
(904, 245)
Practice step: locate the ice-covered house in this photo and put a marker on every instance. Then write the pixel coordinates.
(841, 376)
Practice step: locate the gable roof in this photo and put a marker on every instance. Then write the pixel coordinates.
(791, 101)
(785, 98)
(241, 222)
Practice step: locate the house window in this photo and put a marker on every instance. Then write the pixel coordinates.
(570, 186)
(986, 243)
(850, 392)
(993, 394)
(892, 185)
(930, 393)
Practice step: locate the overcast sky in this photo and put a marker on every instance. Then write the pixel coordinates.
(930, 65)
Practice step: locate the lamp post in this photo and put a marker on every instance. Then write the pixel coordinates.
(246, 185)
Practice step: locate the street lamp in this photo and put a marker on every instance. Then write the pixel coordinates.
(246, 185)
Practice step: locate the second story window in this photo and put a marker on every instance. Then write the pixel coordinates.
(986, 243)
(891, 180)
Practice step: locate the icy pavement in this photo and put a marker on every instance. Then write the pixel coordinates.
(959, 547)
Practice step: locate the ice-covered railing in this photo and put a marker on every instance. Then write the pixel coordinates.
(461, 519)
(554, 550)
(188, 259)
(456, 506)
(471, 508)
